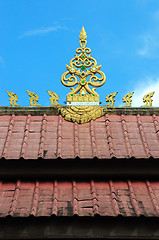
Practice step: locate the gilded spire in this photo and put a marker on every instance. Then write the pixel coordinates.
(82, 72)
(83, 35)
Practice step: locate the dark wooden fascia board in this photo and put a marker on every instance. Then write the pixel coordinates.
(79, 227)
(83, 168)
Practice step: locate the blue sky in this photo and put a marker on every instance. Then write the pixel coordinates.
(39, 37)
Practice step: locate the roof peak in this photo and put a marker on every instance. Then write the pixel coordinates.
(56, 110)
(83, 35)
(84, 73)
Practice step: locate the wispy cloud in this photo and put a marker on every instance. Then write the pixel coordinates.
(43, 30)
(149, 40)
(150, 47)
(152, 85)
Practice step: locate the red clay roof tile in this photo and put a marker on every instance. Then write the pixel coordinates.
(50, 137)
(59, 198)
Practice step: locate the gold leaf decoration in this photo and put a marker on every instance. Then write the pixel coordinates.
(53, 98)
(147, 99)
(83, 73)
(13, 98)
(127, 99)
(34, 98)
(110, 99)
(81, 114)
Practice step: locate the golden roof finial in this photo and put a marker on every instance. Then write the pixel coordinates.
(127, 99)
(82, 72)
(147, 99)
(53, 98)
(34, 98)
(110, 99)
(83, 35)
(13, 98)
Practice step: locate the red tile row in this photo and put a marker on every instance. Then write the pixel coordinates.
(111, 198)
(50, 137)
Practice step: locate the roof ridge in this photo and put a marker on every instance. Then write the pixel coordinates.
(55, 198)
(133, 199)
(142, 134)
(156, 125)
(26, 135)
(42, 136)
(59, 136)
(93, 140)
(76, 140)
(75, 198)
(126, 136)
(153, 197)
(114, 199)
(9, 135)
(15, 199)
(95, 198)
(109, 136)
(35, 199)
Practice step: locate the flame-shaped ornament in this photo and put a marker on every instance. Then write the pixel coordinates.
(82, 73)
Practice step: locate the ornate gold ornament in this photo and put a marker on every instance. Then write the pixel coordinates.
(110, 99)
(54, 98)
(147, 99)
(82, 73)
(83, 100)
(83, 67)
(127, 99)
(81, 114)
(34, 98)
(13, 98)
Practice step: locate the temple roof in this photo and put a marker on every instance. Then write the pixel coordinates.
(49, 136)
(43, 133)
(88, 198)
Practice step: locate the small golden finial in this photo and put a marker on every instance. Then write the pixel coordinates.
(127, 99)
(147, 99)
(13, 98)
(34, 98)
(82, 73)
(54, 98)
(110, 99)
(83, 35)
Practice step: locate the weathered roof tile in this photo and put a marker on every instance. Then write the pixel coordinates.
(125, 136)
(107, 198)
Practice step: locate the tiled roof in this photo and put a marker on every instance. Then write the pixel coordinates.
(50, 137)
(68, 198)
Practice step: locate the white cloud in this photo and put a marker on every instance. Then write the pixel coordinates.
(143, 88)
(149, 40)
(42, 30)
(150, 46)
